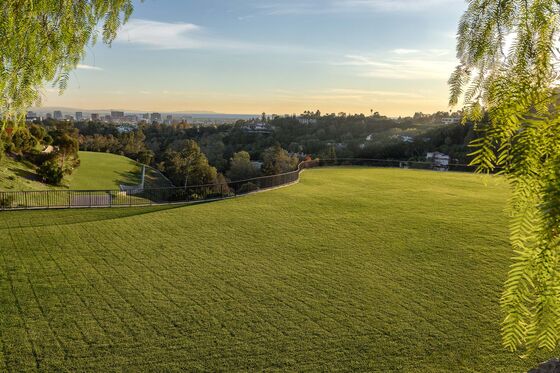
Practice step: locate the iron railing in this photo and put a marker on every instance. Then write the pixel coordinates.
(58, 199)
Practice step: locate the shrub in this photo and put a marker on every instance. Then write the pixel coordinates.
(248, 188)
(51, 172)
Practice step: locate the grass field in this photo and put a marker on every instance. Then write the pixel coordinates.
(97, 171)
(104, 171)
(352, 269)
(16, 176)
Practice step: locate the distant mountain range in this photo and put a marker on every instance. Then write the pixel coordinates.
(189, 113)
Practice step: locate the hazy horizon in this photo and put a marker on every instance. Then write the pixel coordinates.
(280, 57)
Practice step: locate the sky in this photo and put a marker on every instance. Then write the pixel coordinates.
(273, 56)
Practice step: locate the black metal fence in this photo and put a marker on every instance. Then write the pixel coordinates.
(58, 199)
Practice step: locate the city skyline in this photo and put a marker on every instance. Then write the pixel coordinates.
(278, 57)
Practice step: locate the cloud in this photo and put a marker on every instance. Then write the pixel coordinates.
(392, 5)
(309, 7)
(362, 92)
(294, 8)
(174, 36)
(160, 35)
(405, 51)
(347, 94)
(433, 64)
(88, 67)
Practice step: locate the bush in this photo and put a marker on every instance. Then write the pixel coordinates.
(51, 172)
(38, 158)
(248, 188)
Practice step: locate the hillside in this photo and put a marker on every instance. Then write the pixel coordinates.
(109, 171)
(351, 269)
(15, 175)
(96, 171)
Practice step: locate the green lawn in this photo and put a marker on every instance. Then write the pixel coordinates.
(97, 171)
(104, 171)
(351, 269)
(16, 176)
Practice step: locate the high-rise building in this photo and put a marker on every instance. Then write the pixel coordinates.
(117, 115)
(131, 118)
(31, 116)
(57, 115)
(155, 117)
(146, 116)
(79, 115)
(94, 117)
(49, 116)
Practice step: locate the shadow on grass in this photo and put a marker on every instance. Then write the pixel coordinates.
(24, 174)
(127, 178)
(45, 218)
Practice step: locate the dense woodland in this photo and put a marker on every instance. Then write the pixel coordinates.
(191, 155)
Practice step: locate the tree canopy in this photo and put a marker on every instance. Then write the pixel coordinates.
(44, 40)
(189, 166)
(507, 80)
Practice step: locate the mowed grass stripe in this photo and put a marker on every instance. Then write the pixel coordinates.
(351, 269)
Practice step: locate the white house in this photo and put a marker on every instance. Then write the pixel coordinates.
(451, 120)
(439, 160)
(257, 165)
(306, 120)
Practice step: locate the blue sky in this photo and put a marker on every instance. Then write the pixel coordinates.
(250, 56)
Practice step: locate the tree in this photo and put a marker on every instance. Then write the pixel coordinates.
(42, 41)
(22, 140)
(512, 96)
(189, 166)
(240, 167)
(213, 147)
(329, 153)
(51, 172)
(277, 160)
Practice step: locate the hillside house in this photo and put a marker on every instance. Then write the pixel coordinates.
(306, 120)
(257, 128)
(403, 138)
(440, 161)
(451, 120)
(257, 165)
(48, 149)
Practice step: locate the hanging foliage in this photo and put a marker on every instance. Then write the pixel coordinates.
(43, 40)
(507, 81)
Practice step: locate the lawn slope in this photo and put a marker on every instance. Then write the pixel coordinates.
(15, 175)
(351, 269)
(108, 171)
(97, 171)
(104, 171)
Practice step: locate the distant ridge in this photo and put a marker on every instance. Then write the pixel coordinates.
(192, 113)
